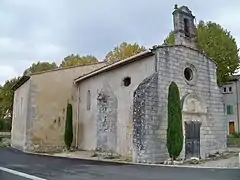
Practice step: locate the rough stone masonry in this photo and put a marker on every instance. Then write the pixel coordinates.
(195, 75)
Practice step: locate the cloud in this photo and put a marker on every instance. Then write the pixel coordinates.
(50, 30)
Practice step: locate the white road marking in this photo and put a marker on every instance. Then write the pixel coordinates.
(24, 175)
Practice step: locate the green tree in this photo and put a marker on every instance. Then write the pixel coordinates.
(6, 101)
(123, 51)
(219, 45)
(68, 136)
(39, 67)
(74, 60)
(174, 129)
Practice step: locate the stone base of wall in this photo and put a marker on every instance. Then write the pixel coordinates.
(45, 149)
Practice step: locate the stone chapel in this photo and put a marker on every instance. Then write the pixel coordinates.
(122, 107)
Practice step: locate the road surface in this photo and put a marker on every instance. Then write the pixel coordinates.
(15, 165)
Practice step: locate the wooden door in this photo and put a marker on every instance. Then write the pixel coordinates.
(192, 139)
(231, 127)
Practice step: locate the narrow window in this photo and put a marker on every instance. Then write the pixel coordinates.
(230, 89)
(229, 109)
(224, 89)
(186, 27)
(88, 100)
(21, 104)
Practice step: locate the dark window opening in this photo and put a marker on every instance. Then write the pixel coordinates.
(229, 109)
(127, 81)
(188, 74)
(230, 89)
(186, 27)
(224, 89)
(88, 100)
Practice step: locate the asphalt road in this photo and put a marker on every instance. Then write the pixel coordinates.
(8, 176)
(52, 168)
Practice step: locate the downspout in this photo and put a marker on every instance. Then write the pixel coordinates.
(237, 106)
(77, 119)
(156, 60)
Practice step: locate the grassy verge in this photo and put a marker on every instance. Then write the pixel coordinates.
(4, 142)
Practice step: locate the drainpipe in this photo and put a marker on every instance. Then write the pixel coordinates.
(77, 119)
(237, 106)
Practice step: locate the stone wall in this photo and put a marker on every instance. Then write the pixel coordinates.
(107, 105)
(147, 142)
(48, 95)
(118, 107)
(19, 119)
(172, 62)
(201, 101)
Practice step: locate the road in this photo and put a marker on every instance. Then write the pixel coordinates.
(53, 168)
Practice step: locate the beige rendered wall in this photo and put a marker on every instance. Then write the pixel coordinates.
(50, 92)
(138, 71)
(19, 119)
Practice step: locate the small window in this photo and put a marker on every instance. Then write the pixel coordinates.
(127, 81)
(230, 89)
(224, 89)
(188, 74)
(186, 27)
(229, 109)
(88, 100)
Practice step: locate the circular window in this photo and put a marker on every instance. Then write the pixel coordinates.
(188, 74)
(126, 81)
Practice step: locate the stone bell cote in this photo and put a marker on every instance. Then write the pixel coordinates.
(184, 27)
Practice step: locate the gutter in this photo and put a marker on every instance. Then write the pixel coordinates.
(114, 65)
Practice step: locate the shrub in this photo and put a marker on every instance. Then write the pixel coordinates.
(5, 125)
(2, 125)
(174, 129)
(234, 135)
(68, 135)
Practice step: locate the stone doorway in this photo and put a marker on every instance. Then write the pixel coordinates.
(192, 139)
(194, 114)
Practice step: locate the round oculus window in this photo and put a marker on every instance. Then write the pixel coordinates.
(126, 81)
(188, 74)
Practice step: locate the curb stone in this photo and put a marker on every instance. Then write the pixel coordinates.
(110, 162)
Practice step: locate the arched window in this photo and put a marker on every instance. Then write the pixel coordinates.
(186, 27)
(88, 100)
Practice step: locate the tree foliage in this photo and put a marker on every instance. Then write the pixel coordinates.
(74, 60)
(123, 51)
(174, 129)
(6, 101)
(68, 136)
(219, 45)
(40, 66)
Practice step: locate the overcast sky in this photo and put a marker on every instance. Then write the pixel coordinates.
(49, 30)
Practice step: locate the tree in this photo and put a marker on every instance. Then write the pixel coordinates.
(6, 100)
(74, 60)
(68, 136)
(174, 129)
(40, 66)
(219, 45)
(123, 51)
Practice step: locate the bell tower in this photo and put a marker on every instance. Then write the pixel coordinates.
(184, 27)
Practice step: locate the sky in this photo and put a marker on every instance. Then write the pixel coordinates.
(49, 30)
